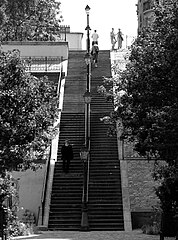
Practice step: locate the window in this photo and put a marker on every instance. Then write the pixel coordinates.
(147, 5)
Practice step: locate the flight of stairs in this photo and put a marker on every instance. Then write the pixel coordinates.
(105, 195)
(66, 197)
(105, 198)
(65, 210)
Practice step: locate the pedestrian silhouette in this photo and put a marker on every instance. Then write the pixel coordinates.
(119, 39)
(94, 53)
(113, 39)
(67, 155)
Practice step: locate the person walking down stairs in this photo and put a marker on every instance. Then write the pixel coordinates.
(94, 53)
(67, 155)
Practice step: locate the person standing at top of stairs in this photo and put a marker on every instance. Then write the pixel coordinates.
(67, 155)
(95, 37)
(113, 39)
(119, 38)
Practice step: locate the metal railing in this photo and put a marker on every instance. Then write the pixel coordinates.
(42, 64)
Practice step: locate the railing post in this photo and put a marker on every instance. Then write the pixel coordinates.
(46, 64)
(84, 221)
(84, 154)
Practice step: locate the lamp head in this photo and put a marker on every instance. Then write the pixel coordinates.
(87, 58)
(87, 9)
(84, 154)
(87, 97)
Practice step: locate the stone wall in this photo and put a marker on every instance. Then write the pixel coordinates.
(141, 185)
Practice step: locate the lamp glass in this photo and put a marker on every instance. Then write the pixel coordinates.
(84, 154)
(87, 58)
(87, 97)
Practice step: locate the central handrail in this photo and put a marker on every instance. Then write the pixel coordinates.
(88, 162)
(86, 159)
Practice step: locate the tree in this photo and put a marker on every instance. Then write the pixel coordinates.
(28, 109)
(146, 97)
(29, 20)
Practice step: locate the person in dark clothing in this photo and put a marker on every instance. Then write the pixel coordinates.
(67, 155)
(94, 53)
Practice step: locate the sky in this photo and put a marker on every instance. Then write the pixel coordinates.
(104, 15)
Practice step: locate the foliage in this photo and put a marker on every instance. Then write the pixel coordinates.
(28, 109)
(29, 20)
(150, 229)
(18, 228)
(154, 227)
(9, 202)
(166, 191)
(8, 192)
(7, 189)
(146, 97)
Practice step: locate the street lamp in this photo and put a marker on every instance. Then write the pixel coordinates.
(87, 97)
(84, 152)
(87, 10)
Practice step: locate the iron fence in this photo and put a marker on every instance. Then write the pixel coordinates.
(42, 64)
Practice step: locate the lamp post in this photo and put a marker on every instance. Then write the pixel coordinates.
(84, 153)
(88, 62)
(84, 221)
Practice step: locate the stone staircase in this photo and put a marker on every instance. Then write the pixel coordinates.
(105, 194)
(105, 198)
(66, 197)
(65, 209)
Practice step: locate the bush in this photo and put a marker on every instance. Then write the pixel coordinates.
(151, 229)
(18, 228)
(155, 226)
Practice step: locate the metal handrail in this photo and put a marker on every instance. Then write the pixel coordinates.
(88, 167)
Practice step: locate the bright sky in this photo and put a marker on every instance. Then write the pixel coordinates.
(103, 16)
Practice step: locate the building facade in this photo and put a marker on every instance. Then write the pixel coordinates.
(145, 13)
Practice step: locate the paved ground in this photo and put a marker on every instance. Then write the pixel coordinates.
(95, 235)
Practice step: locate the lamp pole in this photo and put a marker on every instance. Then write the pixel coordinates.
(84, 220)
(85, 152)
(88, 62)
